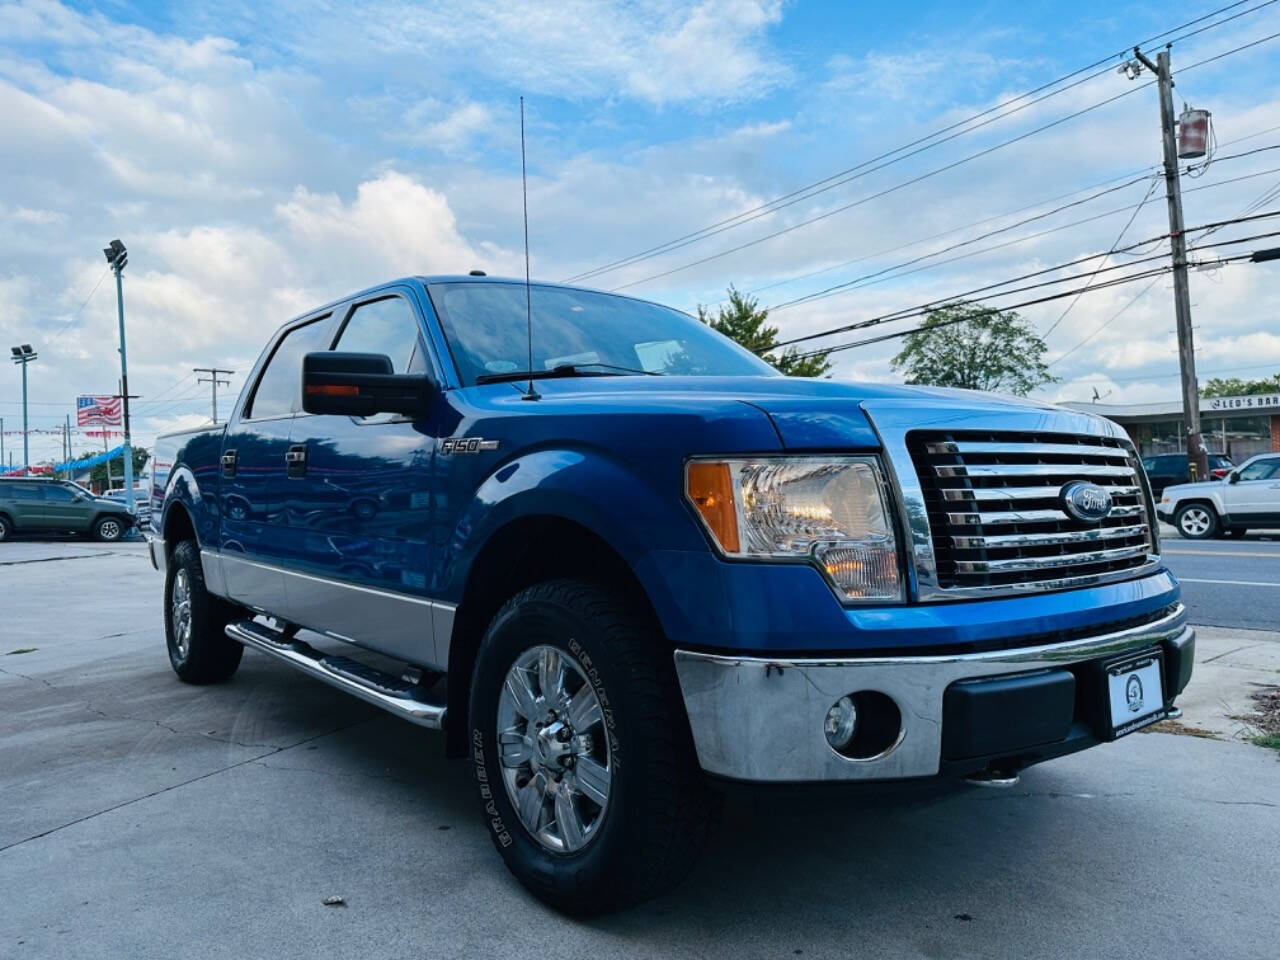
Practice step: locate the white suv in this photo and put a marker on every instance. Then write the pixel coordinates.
(1249, 499)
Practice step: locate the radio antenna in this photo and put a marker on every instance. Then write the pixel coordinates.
(529, 394)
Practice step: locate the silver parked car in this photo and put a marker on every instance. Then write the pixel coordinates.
(1250, 498)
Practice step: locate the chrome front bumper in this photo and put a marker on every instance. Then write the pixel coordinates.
(761, 719)
(155, 548)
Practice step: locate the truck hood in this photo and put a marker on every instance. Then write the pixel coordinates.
(807, 414)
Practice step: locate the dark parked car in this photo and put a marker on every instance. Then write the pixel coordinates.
(41, 505)
(1166, 469)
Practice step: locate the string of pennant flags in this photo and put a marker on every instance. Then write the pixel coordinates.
(50, 431)
(74, 466)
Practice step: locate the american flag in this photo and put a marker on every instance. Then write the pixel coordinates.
(97, 411)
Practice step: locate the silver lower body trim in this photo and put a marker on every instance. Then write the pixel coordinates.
(761, 719)
(413, 629)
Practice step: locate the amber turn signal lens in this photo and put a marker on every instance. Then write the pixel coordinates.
(710, 488)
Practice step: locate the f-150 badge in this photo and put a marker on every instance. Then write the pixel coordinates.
(466, 445)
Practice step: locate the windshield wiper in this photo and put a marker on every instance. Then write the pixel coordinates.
(564, 370)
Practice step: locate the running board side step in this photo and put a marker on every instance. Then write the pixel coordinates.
(391, 693)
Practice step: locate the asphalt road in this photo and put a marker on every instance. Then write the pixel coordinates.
(1228, 583)
(144, 818)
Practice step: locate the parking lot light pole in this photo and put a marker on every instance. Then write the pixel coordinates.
(117, 256)
(23, 355)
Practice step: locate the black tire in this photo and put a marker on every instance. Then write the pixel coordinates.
(1197, 521)
(109, 529)
(209, 655)
(6, 528)
(658, 810)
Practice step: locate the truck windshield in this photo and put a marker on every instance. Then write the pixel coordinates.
(577, 330)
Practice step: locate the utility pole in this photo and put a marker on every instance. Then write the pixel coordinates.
(213, 382)
(1, 442)
(124, 397)
(1196, 456)
(23, 355)
(118, 257)
(67, 452)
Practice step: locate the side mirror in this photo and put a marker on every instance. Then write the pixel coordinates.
(1233, 477)
(360, 385)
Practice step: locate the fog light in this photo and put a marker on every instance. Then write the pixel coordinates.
(842, 720)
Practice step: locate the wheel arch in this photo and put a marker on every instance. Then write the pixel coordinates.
(177, 526)
(523, 552)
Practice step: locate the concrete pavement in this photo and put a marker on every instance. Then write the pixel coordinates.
(144, 818)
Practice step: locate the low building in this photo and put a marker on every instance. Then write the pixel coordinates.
(1238, 427)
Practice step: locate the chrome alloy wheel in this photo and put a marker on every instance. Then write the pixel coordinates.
(1195, 521)
(554, 749)
(109, 529)
(180, 613)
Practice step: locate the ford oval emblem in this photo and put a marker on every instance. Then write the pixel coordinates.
(1086, 501)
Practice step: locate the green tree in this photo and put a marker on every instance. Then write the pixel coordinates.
(98, 474)
(744, 320)
(1235, 387)
(970, 346)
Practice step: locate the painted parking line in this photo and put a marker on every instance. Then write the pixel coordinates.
(1232, 583)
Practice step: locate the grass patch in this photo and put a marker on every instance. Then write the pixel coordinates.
(1181, 730)
(12, 653)
(1265, 719)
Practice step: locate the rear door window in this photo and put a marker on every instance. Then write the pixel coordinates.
(20, 491)
(279, 389)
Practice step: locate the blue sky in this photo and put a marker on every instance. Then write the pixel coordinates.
(259, 158)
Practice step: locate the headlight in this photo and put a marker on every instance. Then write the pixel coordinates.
(830, 510)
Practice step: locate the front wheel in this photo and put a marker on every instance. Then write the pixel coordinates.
(6, 528)
(195, 622)
(1196, 521)
(109, 529)
(587, 773)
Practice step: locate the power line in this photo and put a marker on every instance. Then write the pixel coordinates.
(932, 173)
(1131, 178)
(983, 312)
(1119, 281)
(837, 179)
(925, 308)
(1102, 326)
(888, 190)
(869, 278)
(80, 309)
(1123, 230)
(1136, 176)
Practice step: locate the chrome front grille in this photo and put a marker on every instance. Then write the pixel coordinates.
(996, 514)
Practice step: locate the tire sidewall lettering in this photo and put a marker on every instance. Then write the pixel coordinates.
(491, 811)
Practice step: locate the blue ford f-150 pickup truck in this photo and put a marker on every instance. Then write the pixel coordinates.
(623, 561)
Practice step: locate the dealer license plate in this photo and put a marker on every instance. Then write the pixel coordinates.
(1136, 692)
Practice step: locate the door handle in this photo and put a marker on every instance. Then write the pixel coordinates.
(229, 463)
(295, 459)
